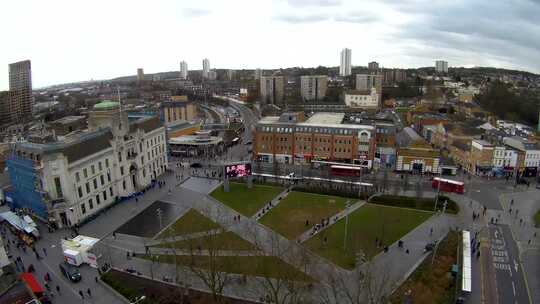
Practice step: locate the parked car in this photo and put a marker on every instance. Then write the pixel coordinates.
(196, 165)
(71, 272)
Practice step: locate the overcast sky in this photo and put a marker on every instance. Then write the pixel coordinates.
(81, 40)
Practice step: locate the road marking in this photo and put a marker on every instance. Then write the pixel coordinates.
(514, 288)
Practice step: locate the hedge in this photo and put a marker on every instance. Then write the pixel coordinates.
(416, 203)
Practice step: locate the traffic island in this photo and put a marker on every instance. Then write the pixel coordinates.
(432, 283)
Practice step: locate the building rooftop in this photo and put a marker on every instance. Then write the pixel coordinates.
(107, 105)
(68, 119)
(482, 142)
(326, 118)
(84, 144)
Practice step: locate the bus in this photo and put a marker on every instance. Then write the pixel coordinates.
(340, 170)
(448, 185)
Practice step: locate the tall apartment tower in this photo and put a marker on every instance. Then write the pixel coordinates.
(313, 88)
(205, 67)
(272, 89)
(441, 66)
(373, 66)
(140, 74)
(183, 70)
(20, 91)
(345, 63)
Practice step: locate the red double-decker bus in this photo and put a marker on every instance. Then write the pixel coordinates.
(448, 185)
(340, 170)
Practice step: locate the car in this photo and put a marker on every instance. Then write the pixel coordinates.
(70, 272)
(247, 143)
(196, 165)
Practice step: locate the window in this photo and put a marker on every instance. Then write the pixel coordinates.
(104, 195)
(102, 179)
(121, 170)
(109, 177)
(111, 192)
(95, 183)
(83, 208)
(77, 177)
(106, 162)
(90, 204)
(124, 185)
(85, 173)
(58, 187)
(98, 201)
(87, 188)
(100, 166)
(120, 156)
(80, 191)
(93, 169)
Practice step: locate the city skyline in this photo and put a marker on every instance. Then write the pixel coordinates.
(400, 34)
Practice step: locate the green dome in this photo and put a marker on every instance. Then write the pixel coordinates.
(106, 105)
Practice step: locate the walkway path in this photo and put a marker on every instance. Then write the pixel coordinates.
(273, 203)
(333, 219)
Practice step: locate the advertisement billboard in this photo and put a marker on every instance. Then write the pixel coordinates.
(238, 170)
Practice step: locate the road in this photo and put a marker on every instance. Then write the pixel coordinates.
(509, 276)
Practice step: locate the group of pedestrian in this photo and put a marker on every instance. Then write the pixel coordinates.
(266, 208)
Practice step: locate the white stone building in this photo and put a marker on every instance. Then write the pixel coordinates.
(78, 176)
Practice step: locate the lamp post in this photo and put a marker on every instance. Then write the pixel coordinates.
(347, 205)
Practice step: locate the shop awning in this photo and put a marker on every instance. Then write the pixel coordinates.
(32, 283)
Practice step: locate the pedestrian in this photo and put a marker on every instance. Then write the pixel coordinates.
(431, 231)
(407, 251)
(58, 289)
(81, 294)
(89, 293)
(44, 251)
(512, 202)
(521, 222)
(96, 278)
(510, 210)
(529, 241)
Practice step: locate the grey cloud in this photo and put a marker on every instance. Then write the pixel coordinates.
(309, 18)
(303, 3)
(504, 31)
(195, 12)
(356, 18)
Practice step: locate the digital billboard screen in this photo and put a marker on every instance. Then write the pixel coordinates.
(238, 170)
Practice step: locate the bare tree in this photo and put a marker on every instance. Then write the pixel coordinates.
(281, 285)
(364, 284)
(208, 265)
(206, 260)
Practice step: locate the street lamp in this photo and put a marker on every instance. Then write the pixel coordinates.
(347, 205)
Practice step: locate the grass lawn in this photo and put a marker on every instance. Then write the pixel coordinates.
(289, 217)
(388, 224)
(221, 241)
(426, 204)
(431, 283)
(244, 200)
(264, 266)
(191, 222)
(537, 218)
